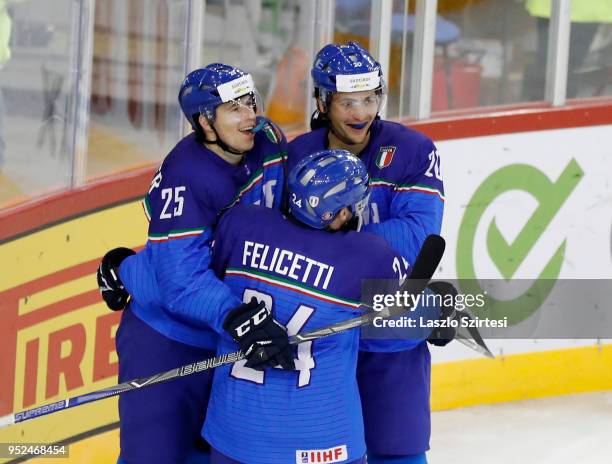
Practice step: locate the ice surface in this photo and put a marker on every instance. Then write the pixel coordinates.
(561, 430)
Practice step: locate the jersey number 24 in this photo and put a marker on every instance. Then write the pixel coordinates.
(304, 361)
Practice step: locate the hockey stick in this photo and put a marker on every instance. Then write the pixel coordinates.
(424, 267)
(476, 343)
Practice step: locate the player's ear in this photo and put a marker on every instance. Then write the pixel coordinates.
(206, 128)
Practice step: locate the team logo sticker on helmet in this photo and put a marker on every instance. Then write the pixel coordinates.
(236, 88)
(357, 82)
(385, 156)
(313, 201)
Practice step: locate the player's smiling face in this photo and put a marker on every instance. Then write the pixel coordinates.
(233, 122)
(351, 115)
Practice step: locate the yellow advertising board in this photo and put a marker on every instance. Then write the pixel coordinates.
(57, 336)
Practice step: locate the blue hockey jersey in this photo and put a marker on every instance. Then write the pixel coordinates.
(309, 279)
(172, 288)
(407, 199)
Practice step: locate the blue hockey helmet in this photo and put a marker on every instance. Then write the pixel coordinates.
(346, 68)
(206, 88)
(323, 183)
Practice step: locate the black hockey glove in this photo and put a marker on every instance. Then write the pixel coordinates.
(111, 287)
(262, 339)
(442, 336)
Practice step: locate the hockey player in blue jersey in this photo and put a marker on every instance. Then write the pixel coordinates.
(177, 303)
(307, 277)
(406, 205)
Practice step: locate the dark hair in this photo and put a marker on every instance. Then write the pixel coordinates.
(319, 120)
(197, 128)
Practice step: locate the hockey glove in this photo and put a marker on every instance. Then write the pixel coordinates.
(442, 336)
(262, 339)
(111, 288)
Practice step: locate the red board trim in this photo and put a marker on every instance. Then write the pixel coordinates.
(59, 207)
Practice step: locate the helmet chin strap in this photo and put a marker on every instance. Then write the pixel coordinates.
(221, 144)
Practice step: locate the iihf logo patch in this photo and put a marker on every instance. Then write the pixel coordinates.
(322, 456)
(385, 156)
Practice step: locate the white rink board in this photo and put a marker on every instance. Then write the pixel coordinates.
(583, 221)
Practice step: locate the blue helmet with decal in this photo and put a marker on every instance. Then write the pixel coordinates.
(323, 183)
(346, 68)
(206, 88)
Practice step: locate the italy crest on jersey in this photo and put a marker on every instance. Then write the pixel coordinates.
(272, 133)
(385, 156)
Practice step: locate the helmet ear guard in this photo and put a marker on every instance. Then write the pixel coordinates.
(323, 98)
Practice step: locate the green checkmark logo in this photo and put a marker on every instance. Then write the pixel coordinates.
(507, 257)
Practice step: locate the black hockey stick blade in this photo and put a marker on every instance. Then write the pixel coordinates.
(474, 346)
(477, 342)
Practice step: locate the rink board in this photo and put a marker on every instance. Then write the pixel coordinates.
(57, 337)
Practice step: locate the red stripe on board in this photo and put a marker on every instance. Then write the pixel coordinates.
(56, 278)
(580, 114)
(445, 126)
(59, 308)
(69, 203)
